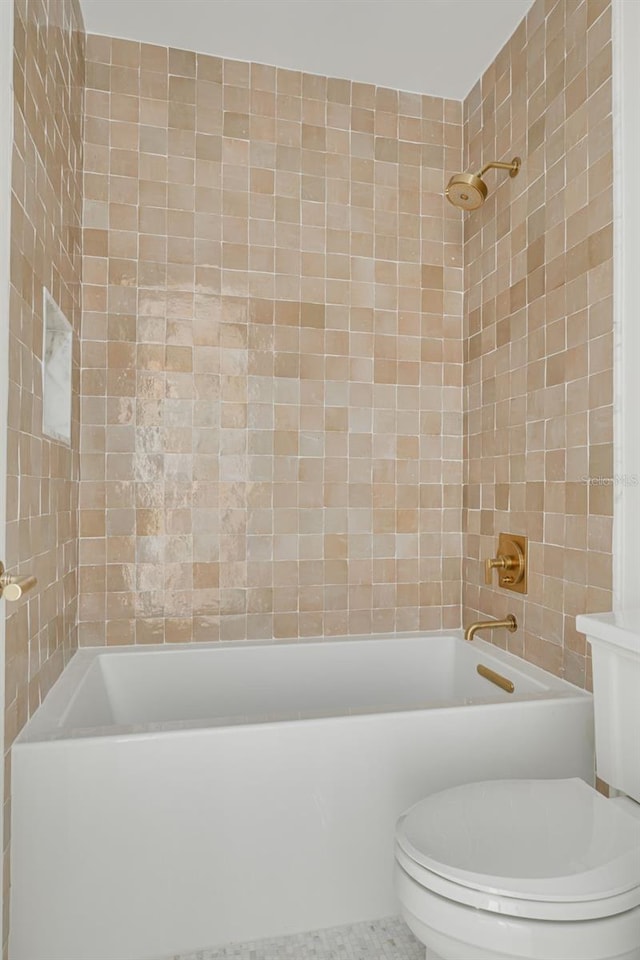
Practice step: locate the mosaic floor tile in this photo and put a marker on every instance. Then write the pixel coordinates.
(387, 939)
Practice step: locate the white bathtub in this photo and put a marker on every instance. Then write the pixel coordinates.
(169, 799)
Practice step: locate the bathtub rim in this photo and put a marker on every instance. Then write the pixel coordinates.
(47, 723)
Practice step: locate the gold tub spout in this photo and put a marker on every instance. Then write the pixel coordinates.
(509, 622)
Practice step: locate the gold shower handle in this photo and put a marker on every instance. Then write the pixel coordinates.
(513, 562)
(501, 562)
(12, 588)
(490, 565)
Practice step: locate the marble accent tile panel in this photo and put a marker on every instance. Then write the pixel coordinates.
(57, 371)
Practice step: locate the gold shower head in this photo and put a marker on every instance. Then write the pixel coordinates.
(469, 191)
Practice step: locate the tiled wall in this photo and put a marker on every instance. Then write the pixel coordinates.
(42, 481)
(272, 353)
(538, 327)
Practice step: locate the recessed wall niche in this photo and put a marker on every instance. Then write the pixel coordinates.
(56, 371)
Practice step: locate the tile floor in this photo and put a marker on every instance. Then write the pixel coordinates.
(387, 939)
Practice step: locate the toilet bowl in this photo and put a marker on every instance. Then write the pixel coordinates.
(515, 869)
(537, 869)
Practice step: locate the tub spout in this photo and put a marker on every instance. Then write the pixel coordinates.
(509, 622)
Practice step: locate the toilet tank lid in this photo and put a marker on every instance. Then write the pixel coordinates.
(619, 628)
(551, 840)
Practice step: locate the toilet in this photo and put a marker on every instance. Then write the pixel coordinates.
(538, 869)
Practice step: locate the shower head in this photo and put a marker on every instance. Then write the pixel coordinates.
(469, 191)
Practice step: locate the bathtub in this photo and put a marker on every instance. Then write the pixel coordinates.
(167, 799)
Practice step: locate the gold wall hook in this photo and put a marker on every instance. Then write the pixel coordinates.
(511, 561)
(12, 588)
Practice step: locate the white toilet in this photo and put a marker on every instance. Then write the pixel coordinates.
(538, 869)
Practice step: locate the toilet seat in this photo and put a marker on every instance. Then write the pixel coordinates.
(516, 907)
(542, 849)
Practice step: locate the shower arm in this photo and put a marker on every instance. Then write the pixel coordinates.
(512, 167)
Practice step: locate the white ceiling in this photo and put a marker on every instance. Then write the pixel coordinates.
(439, 47)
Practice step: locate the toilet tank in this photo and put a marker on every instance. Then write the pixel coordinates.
(615, 645)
